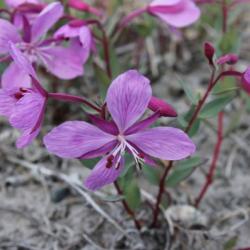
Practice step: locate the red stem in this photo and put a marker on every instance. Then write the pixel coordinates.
(160, 193)
(126, 206)
(105, 43)
(213, 165)
(201, 102)
(72, 98)
(224, 15)
(212, 83)
(127, 19)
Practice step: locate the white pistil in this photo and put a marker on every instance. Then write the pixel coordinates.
(124, 144)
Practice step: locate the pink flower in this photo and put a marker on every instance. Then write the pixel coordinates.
(63, 62)
(77, 29)
(23, 104)
(177, 13)
(245, 80)
(127, 99)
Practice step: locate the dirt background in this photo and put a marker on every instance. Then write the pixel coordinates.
(44, 207)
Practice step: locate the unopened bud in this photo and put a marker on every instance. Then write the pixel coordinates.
(78, 5)
(228, 59)
(209, 52)
(161, 106)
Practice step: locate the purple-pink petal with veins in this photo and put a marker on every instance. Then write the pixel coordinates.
(27, 137)
(177, 13)
(73, 139)
(100, 151)
(15, 3)
(27, 111)
(165, 143)
(46, 19)
(127, 98)
(64, 62)
(8, 32)
(13, 78)
(22, 61)
(103, 174)
(7, 103)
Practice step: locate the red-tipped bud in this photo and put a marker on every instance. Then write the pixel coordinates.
(161, 106)
(209, 52)
(245, 80)
(82, 6)
(228, 59)
(78, 5)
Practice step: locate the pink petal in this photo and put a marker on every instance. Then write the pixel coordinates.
(101, 175)
(27, 111)
(163, 142)
(65, 63)
(15, 3)
(67, 31)
(8, 32)
(100, 151)
(128, 97)
(22, 61)
(188, 14)
(14, 77)
(7, 103)
(245, 80)
(74, 139)
(27, 137)
(46, 19)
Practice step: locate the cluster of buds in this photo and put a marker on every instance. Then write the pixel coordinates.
(231, 60)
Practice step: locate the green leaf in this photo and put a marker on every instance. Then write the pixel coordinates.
(151, 174)
(115, 62)
(188, 91)
(132, 194)
(231, 243)
(214, 107)
(102, 79)
(230, 42)
(90, 163)
(227, 85)
(195, 128)
(182, 170)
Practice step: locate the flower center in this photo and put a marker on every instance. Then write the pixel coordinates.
(29, 49)
(119, 151)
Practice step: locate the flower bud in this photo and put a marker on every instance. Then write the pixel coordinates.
(78, 5)
(209, 52)
(228, 59)
(82, 6)
(161, 106)
(245, 80)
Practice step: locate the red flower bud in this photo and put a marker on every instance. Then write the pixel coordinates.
(82, 6)
(209, 52)
(228, 59)
(161, 106)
